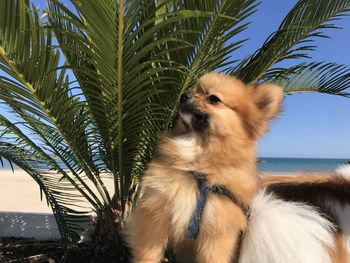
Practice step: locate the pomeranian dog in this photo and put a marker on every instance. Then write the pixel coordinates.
(202, 194)
(220, 120)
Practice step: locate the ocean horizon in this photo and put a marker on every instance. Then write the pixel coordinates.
(281, 165)
(277, 164)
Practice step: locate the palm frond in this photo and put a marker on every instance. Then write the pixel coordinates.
(42, 98)
(294, 38)
(320, 77)
(137, 61)
(49, 90)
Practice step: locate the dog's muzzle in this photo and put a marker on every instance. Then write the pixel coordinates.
(190, 114)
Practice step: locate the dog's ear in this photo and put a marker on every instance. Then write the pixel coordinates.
(267, 99)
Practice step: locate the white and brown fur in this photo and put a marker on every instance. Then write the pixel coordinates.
(314, 213)
(219, 139)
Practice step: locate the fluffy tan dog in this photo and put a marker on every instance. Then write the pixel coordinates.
(216, 135)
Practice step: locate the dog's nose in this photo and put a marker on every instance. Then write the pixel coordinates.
(184, 97)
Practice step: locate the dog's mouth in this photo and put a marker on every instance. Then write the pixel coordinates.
(193, 118)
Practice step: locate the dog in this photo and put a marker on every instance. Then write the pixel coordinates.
(308, 217)
(202, 194)
(216, 135)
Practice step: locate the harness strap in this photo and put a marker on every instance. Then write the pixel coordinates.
(220, 189)
(204, 190)
(193, 227)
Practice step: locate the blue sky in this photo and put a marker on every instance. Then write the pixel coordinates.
(311, 125)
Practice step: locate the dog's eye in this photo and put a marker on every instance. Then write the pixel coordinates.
(212, 99)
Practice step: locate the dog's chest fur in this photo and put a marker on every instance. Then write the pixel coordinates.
(175, 190)
(188, 148)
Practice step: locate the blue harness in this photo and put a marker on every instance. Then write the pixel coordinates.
(204, 190)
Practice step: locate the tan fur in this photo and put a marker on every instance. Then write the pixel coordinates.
(340, 255)
(302, 177)
(226, 152)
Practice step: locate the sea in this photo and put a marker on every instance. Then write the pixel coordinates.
(283, 165)
(278, 165)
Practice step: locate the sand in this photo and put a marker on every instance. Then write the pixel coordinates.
(20, 193)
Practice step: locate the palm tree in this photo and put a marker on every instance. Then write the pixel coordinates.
(86, 88)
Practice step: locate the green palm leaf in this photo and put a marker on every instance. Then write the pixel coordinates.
(128, 66)
(294, 38)
(313, 77)
(40, 97)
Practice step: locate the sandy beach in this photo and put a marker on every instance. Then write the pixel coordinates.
(20, 193)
